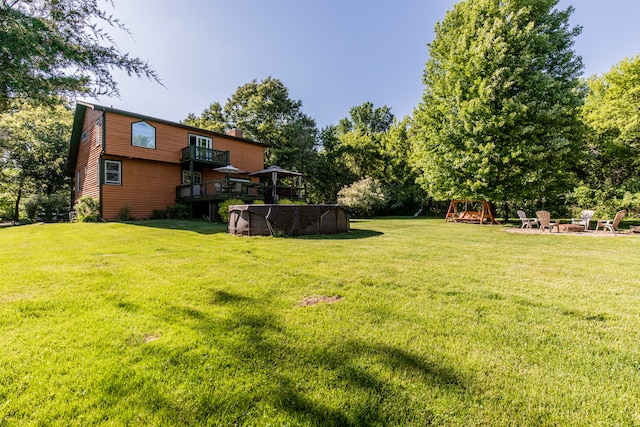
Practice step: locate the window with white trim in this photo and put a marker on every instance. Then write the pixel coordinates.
(186, 177)
(112, 172)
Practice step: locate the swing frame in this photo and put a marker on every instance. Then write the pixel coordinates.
(470, 216)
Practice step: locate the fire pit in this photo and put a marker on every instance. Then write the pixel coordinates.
(571, 228)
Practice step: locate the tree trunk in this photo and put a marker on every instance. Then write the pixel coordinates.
(505, 206)
(16, 212)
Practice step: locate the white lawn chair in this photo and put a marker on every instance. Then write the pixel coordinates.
(585, 219)
(527, 222)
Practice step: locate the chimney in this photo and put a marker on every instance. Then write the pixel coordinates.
(235, 132)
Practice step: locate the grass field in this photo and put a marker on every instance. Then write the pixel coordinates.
(178, 323)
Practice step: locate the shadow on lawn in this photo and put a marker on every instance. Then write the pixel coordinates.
(204, 227)
(193, 225)
(269, 371)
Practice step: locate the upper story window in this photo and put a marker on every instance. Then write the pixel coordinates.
(143, 135)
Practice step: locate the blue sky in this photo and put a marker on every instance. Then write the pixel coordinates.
(330, 54)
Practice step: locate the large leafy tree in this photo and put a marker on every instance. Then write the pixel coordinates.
(33, 145)
(265, 112)
(498, 119)
(360, 135)
(612, 114)
(59, 47)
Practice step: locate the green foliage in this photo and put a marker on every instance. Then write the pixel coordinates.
(87, 209)
(177, 211)
(6, 207)
(47, 207)
(125, 213)
(498, 119)
(59, 47)
(612, 114)
(265, 113)
(166, 323)
(605, 201)
(223, 208)
(285, 201)
(365, 197)
(33, 146)
(258, 202)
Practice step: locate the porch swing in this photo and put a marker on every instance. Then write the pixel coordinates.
(468, 215)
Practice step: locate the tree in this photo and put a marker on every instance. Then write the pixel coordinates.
(612, 114)
(328, 172)
(403, 191)
(33, 146)
(58, 47)
(265, 112)
(212, 118)
(360, 137)
(498, 119)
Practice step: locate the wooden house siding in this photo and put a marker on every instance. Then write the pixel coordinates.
(149, 177)
(88, 156)
(169, 140)
(146, 185)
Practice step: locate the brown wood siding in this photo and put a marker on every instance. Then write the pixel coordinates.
(243, 155)
(146, 185)
(170, 140)
(89, 156)
(149, 176)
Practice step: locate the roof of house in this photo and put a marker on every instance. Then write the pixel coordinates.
(78, 122)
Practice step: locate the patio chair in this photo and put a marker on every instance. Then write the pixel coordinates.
(527, 222)
(611, 224)
(585, 219)
(544, 219)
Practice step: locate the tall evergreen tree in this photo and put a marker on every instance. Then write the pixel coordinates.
(59, 47)
(498, 119)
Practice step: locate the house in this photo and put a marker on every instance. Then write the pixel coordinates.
(135, 163)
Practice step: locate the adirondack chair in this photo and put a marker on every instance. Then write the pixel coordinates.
(611, 224)
(585, 219)
(527, 222)
(544, 219)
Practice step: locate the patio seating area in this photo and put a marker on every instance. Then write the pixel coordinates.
(575, 226)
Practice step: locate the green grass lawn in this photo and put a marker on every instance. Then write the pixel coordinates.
(178, 323)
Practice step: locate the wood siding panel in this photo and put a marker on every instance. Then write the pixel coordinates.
(170, 140)
(89, 156)
(146, 186)
(149, 176)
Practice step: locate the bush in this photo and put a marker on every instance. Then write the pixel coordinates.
(125, 213)
(7, 205)
(178, 211)
(364, 197)
(223, 208)
(87, 209)
(605, 203)
(43, 207)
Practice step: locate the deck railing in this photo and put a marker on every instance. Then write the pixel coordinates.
(219, 189)
(205, 155)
